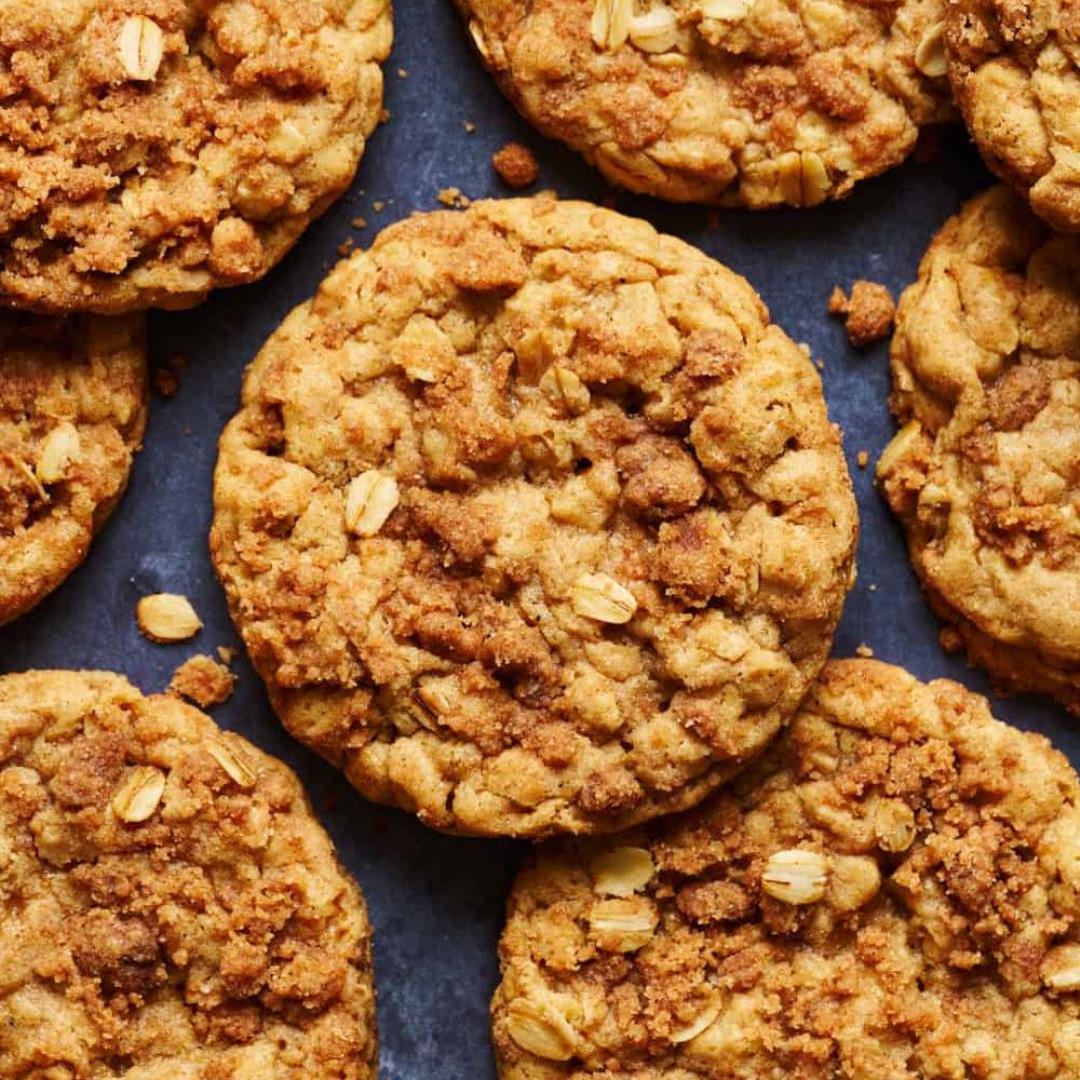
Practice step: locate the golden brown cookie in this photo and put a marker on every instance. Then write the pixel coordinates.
(1015, 71)
(892, 891)
(73, 401)
(532, 521)
(152, 150)
(985, 470)
(742, 102)
(169, 906)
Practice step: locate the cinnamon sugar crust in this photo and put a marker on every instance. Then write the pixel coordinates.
(170, 906)
(1015, 70)
(891, 891)
(153, 150)
(750, 103)
(532, 522)
(985, 471)
(73, 403)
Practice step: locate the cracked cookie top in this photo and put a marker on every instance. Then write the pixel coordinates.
(1015, 70)
(169, 906)
(73, 401)
(742, 102)
(892, 891)
(985, 471)
(151, 150)
(532, 521)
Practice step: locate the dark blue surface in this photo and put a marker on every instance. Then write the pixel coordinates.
(437, 902)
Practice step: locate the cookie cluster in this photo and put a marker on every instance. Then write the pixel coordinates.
(534, 524)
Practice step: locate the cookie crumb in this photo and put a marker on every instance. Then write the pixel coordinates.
(454, 198)
(871, 588)
(167, 377)
(378, 206)
(868, 313)
(203, 680)
(862, 459)
(402, 73)
(359, 223)
(346, 246)
(469, 126)
(864, 651)
(950, 640)
(226, 654)
(516, 165)
(167, 617)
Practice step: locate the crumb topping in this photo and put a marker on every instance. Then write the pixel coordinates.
(153, 150)
(73, 400)
(890, 892)
(868, 313)
(532, 521)
(168, 904)
(744, 102)
(985, 470)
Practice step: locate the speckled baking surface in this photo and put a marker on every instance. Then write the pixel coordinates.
(437, 902)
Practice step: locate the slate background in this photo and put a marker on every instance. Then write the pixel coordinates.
(437, 902)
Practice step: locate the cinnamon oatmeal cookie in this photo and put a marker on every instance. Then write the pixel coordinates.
(169, 906)
(151, 150)
(1015, 71)
(892, 891)
(985, 470)
(73, 401)
(742, 102)
(532, 521)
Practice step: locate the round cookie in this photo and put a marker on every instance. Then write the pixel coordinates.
(73, 403)
(532, 521)
(152, 150)
(892, 891)
(748, 103)
(170, 909)
(1015, 72)
(985, 470)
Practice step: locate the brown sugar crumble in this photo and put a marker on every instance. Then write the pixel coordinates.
(516, 165)
(204, 681)
(868, 313)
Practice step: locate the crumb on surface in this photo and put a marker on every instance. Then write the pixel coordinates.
(862, 459)
(378, 206)
(346, 246)
(454, 198)
(226, 654)
(950, 640)
(863, 650)
(167, 377)
(868, 312)
(203, 680)
(402, 73)
(516, 165)
(359, 223)
(469, 126)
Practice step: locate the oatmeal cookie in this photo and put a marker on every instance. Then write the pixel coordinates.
(892, 891)
(151, 150)
(985, 470)
(73, 401)
(169, 906)
(1015, 71)
(532, 521)
(742, 102)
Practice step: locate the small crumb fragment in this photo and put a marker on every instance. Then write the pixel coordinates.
(453, 197)
(862, 459)
(516, 165)
(868, 313)
(402, 73)
(950, 639)
(167, 377)
(226, 654)
(167, 617)
(864, 651)
(359, 223)
(469, 126)
(378, 206)
(871, 588)
(203, 680)
(346, 246)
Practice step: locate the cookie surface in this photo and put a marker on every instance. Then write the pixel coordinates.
(152, 151)
(532, 521)
(1015, 71)
(890, 892)
(985, 470)
(169, 907)
(73, 403)
(743, 102)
